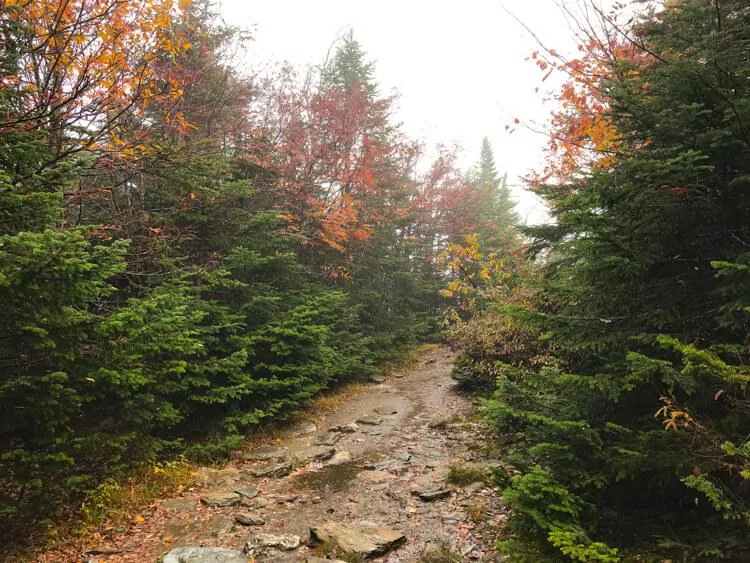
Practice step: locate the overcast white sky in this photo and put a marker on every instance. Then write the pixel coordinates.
(458, 66)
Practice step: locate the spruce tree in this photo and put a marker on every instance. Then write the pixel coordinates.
(645, 306)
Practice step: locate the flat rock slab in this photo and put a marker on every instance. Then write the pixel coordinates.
(363, 539)
(203, 555)
(180, 505)
(386, 410)
(270, 544)
(221, 499)
(247, 492)
(349, 428)
(377, 378)
(429, 496)
(249, 520)
(265, 453)
(273, 470)
(315, 453)
(370, 420)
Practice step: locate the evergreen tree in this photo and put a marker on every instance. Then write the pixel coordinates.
(349, 69)
(644, 413)
(495, 207)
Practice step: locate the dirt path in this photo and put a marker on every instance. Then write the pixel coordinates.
(420, 428)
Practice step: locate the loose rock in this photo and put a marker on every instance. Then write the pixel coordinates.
(386, 410)
(315, 453)
(350, 428)
(268, 544)
(203, 555)
(221, 499)
(370, 420)
(247, 492)
(429, 496)
(273, 470)
(363, 539)
(377, 378)
(249, 520)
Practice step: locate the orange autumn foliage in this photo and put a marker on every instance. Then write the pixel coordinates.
(88, 62)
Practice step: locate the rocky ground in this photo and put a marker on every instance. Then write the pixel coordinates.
(368, 481)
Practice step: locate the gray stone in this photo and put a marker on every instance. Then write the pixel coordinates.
(273, 470)
(340, 458)
(249, 520)
(429, 496)
(180, 505)
(203, 555)
(370, 420)
(265, 453)
(269, 544)
(247, 492)
(328, 439)
(350, 428)
(365, 539)
(377, 378)
(315, 453)
(386, 410)
(221, 499)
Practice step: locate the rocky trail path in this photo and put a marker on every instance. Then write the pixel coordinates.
(367, 482)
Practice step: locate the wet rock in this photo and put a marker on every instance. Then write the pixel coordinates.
(349, 428)
(377, 378)
(265, 453)
(340, 458)
(430, 496)
(203, 555)
(386, 410)
(273, 470)
(249, 520)
(221, 499)
(180, 505)
(315, 453)
(247, 492)
(328, 439)
(301, 429)
(271, 544)
(370, 420)
(365, 539)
